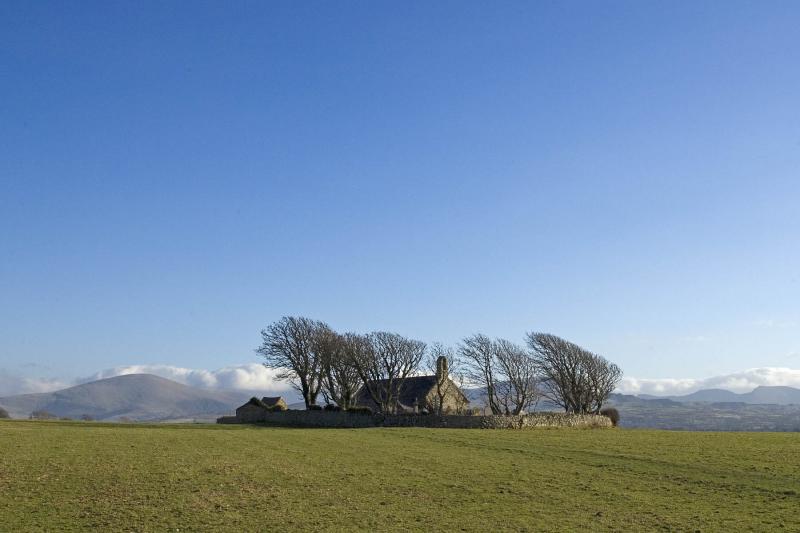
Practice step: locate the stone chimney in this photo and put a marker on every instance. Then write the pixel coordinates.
(441, 369)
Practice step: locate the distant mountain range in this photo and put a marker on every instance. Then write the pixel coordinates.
(152, 398)
(134, 396)
(759, 395)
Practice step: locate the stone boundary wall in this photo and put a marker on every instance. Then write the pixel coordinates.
(303, 418)
(343, 419)
(533, 420)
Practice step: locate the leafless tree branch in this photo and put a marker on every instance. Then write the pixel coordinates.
(383, 361)
(289, 347)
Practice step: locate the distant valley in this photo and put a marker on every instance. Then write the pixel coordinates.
(763, 409)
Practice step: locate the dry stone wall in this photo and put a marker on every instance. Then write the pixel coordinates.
(343, 419)
(301, 418)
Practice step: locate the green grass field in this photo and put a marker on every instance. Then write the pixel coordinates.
(63, 475)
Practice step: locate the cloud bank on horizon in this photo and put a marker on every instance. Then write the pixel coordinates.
(743, 381)
(11, 384)
(256, 377)
(248, 377)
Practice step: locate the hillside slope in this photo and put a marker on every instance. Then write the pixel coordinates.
(136, 396)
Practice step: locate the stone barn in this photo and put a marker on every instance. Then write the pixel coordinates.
(276, 403)
(254, 407)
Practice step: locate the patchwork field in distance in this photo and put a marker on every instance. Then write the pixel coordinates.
(70, 475)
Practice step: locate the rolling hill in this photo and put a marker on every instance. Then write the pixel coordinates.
(135, 396)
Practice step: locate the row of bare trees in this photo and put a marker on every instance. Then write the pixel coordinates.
(317, 360)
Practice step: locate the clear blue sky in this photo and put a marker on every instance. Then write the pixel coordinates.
(174, 176)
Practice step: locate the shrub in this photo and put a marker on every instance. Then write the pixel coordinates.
(611, 413)
(314, 407)
(332, 407)
(4, 413)
(87, 418)
(65, 418)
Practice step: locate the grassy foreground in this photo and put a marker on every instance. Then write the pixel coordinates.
(62, 475)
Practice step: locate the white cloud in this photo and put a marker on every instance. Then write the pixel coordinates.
(249, 377)
(11, 384)
(744, 381)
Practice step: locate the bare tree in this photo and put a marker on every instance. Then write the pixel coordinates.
(603, 379)
(479, 355)
(289, 347)
(442, 361)
(517, 389)
(572, 377)
(383, 363)
(340, 379)
(559, 365)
